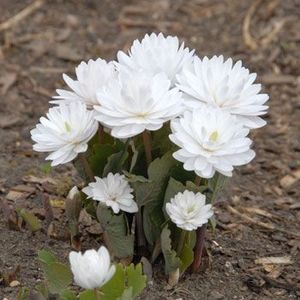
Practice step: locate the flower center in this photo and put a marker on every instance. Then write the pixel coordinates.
(190, 209)
(214, 136)
(67, 126)
(141, 115)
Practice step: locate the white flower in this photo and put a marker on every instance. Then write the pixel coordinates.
(137, 102)
(210, 140)
(188, 210)
(113, 191)
(65, 132)
(92, 269)
(155, 54)
(91, 77)
(224, 85)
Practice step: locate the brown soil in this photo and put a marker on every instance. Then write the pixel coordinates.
(53, 39)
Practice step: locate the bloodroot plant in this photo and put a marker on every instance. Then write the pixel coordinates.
(154, 134)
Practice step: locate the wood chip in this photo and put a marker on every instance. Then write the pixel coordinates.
(276, 260)
(14, 195)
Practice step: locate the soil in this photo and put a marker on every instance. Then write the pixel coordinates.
(258, 213)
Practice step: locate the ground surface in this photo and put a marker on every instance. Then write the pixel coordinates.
(54, 38)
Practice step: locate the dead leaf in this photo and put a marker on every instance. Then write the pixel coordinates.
(39, 180)
(24, 188)
(6, 81)
(58, 203)
(66, 52)
(95, 229)
(288, 180)
(85, 218)
(31, 220)
(14, 195)
(8, 121)
(281, 260)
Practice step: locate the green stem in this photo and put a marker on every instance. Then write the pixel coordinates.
(101, 134)
(182, 238)
(147, 145)
(198, 250)
(197, 180)
(97, 296)
(87, 169)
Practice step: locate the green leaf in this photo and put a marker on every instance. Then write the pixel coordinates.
(135, 178)
(98, 158)
(115, 234)
(172, 261)
(215, 185)
(42, 289)
(67, 295)
(127, 294)
(180, 174)
(146, 192)
(153, 218)
(114, 288)
(31, 220)
(136, 279)
(23, 293)
(213, 222)
(186, 257)
(46, 257)
(58, 276)
(115, 162)
(46, 167)
(87, 295)
(161, 141)
(134, 156)
(159, 169)
(191, 186)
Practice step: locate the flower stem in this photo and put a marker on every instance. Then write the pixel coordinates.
(101, 134)
(87, 169)
(180, 245)
(147, 145)
(198, 250)
(197, 180)
(141, 239)
(97, 297)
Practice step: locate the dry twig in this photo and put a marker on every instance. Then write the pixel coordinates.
(261, 224)
(248, 39)
(24, 13)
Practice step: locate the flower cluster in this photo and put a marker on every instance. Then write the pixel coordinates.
(207, 105)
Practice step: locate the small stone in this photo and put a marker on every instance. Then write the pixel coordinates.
(214, 295)
(14, 283)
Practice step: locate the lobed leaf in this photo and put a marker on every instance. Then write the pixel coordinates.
(115, 232)
(172, 261)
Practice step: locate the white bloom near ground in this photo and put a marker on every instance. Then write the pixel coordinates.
(188, 210)
(136, 102)
(210, 140)
(92, 269)
(65, 132)
(155, 54)
(91, 77)
(113, 191)
(221, 84)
